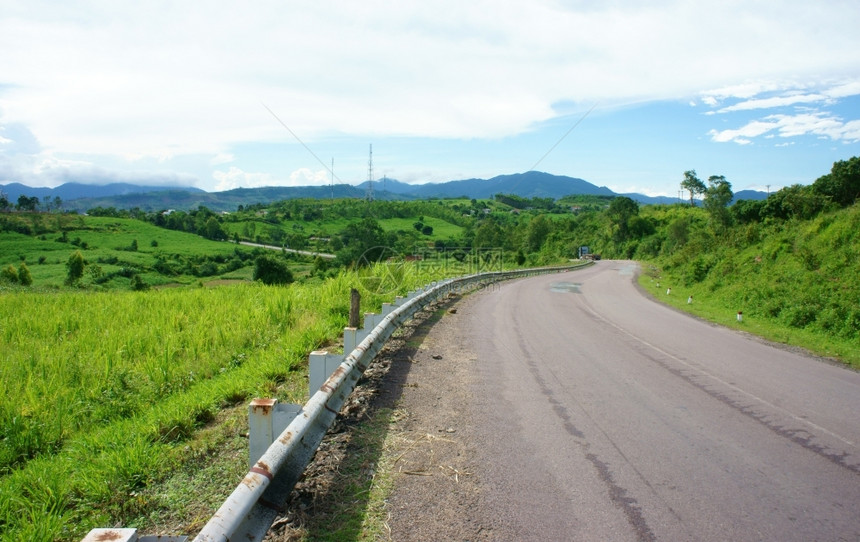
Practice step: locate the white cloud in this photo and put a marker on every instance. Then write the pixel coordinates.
(774, 94)
(772, 102)
(236, 178)
(441, 68)
(742, 135)
(222, 158)
(306, 177)
(144, 81)
(745, 91)
(844, 90)
(823, 125)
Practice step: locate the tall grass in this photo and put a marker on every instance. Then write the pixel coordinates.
(100, 390)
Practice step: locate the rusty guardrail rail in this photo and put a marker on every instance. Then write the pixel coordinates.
(250, 510)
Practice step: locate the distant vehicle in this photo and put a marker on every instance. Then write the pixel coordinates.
(586, 254)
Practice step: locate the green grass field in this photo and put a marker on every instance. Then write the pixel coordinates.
(108, 246)
(103, 393)
(329, 227)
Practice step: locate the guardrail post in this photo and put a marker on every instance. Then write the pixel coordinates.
(321, 365)
(371, 320)
(128, 535)
(118, 535)
(350, 339)
(267, 418)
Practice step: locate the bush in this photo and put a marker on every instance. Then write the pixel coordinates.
(9, 274)
(24, 276)
(75, 266)
(137, 284)
(269, 270)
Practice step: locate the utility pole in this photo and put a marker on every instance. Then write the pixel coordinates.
(370, 175)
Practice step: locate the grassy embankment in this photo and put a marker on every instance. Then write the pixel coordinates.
(795, 282)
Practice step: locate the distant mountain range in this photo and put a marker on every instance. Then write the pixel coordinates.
(80, 197)
(71, 191)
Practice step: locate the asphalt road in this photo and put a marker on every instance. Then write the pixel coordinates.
(603, 415)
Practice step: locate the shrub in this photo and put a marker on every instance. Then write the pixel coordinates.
(75, 266)
(24, 276)
(138, 284)
(9, 274)
(269, 270)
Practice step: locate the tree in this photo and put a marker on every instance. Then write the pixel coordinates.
(270, 271)
(794, 202)
(621, 210)
(639, 227)
(362, 242)
(26, 203)
(488, 235)
(24, 276)
(747, 211)
(717, 196)
(842, 184)
(692, 184)
(213, 230)
(75, 266)
(678, 231)
(537, 232)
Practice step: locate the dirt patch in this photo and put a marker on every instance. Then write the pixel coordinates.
(437, 492)
(408, 417)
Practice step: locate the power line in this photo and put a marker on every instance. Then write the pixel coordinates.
(370, 175)
(303, 144)
(564, 136)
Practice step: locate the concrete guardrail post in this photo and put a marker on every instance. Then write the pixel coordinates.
(267, 418)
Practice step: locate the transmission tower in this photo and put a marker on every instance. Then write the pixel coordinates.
(370, 175)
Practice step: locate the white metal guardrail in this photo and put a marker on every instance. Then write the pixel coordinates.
(250, 510)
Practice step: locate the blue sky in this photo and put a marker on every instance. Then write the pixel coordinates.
(627, 94)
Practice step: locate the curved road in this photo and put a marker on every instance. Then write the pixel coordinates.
(602, 415)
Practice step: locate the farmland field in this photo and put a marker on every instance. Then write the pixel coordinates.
(103, 392)
(115, 248)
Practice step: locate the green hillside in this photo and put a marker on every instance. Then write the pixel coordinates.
(795, 281)
(115, 249)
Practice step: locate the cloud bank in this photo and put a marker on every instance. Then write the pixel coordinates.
(152, 83)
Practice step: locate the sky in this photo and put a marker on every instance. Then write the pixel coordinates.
(624, 94)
